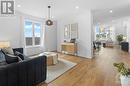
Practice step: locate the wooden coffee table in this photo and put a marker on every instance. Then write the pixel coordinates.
(52, 58)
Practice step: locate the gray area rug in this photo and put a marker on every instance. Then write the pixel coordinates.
(61, 67)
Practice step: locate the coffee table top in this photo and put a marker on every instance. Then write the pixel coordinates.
(46, 54)
(50, 53)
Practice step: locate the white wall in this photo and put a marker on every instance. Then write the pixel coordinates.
(51, 37)
(84, 32)
(119, 27)
(11, 29)
(128, 32)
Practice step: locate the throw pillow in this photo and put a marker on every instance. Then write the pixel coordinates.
(11, 58)
(2, 56)
(20, 60)
(8, 50)
(19, 55)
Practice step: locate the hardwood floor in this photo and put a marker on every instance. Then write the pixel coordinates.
(98, 71)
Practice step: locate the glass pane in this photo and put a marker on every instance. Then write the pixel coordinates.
(28, 32)
(37, 33)
(37, 40)
(29, 41)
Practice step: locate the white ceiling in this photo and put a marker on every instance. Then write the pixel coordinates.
(65, 7)
(104, 16)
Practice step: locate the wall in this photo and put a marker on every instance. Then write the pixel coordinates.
(11, 29)
(128, 32)
(84, 32)
(51, 37)
(119, 27)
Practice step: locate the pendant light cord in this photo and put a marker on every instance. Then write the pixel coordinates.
(49, 9)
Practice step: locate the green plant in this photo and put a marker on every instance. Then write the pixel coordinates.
(122, 69)
(119, 38)
(98, 36)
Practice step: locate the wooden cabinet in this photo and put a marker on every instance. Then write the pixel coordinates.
(70, 48)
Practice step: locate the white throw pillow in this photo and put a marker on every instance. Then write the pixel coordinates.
(8, 50)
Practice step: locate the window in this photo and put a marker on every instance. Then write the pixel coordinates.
(104, 33)
(32, 33)
(28, 33)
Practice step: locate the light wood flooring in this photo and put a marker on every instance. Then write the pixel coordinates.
(98, 71)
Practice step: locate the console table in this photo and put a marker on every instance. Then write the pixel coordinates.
(69, 48)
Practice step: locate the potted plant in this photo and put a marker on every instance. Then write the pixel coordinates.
(124, 73)
(119, 38)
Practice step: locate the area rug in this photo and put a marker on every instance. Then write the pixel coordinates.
(57, 70)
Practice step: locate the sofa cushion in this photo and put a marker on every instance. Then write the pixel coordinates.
(11, 58)
(22, 74)
(3, 76)
(12, 74)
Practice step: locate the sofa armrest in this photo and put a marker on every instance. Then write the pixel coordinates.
(37, 70)
(26, 73)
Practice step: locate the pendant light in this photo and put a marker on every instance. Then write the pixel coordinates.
(49, 22)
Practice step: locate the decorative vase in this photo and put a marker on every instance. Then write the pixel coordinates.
(125, 80)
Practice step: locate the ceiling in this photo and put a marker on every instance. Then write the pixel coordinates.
(104, 15)
(100, 8)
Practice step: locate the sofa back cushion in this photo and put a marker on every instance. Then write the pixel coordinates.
(18, 50)
(11, 58)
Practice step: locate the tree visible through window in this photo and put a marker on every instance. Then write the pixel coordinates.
(32, 33)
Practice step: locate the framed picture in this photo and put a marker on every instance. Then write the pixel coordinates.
(67, 31)
(74, 31)
(71, 31)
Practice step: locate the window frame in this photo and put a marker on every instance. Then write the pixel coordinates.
(33, 33)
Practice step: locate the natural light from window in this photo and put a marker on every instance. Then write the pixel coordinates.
(32, 33)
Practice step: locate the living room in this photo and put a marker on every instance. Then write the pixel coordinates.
(52, 42)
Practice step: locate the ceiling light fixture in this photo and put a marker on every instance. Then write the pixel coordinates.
(113, 20)
(49, 22)
(77, 7)
(111, 11)
(18, 5)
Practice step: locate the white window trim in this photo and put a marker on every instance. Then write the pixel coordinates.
(33, 37)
